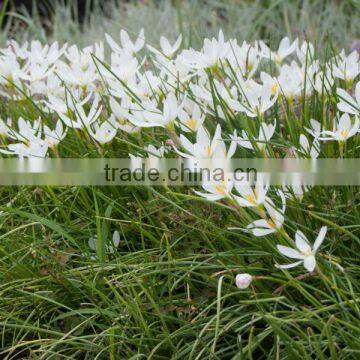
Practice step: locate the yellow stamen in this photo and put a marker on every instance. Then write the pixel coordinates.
(191, 124)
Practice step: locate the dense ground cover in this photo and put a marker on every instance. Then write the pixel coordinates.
(150, 272)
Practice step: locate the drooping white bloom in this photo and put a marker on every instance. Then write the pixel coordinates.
(257, 100)
(109, 247)
(251, 196)
(343, 129)
(5, 127)
(30, 140)
(347, 67)
(275, 219)
(120, 114)
(266, 132)
(285, 49)
(324, 81)
(53, 137)
(191, 117)
(305, 52)
(166, 48)
(151, 116)
(243, 281)
(212, 53)
(103, 133)
(347, 103)
(303, 252)
(216, 190)
(290, 81)
(307, 149)
(205, 147)
(79, 118)
(127, 45)
(315, 128)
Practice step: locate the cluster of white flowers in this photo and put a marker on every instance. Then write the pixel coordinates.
(188, 93)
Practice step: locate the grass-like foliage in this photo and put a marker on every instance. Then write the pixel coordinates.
(219, 271)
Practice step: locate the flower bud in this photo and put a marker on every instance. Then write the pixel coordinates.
(243, 281)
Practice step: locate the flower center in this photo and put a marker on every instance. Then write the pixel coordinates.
(344, 134)
(191, 124)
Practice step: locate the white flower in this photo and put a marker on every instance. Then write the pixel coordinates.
(273, 223)
(80, 119)
(217, 190)
(315, 128)
(205, 147)
(128, 46)
(109, 248)
(307, 149)
(191, 120)
(53, 137)
(324, 81)
(347, 103)
(343, 129)
(166, 48)
(305, 52)
(251, 196)
(347, 67)
(151, 116)
(266, 131)
(290, 81)
(120, 114)
(103, 133)
(257, 100)
(304, 253)
(212, 53)
(243, 281)
(285, 49)
(5, 127)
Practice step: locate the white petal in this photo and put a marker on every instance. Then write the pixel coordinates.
(290, 252)
(302, 242)
(288, 266)
(310, 263)
(320, 238)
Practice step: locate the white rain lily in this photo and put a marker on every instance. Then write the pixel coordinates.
(315, 128)
(243, 281)
(307, 149)
(53, 137)
(216, 190)
(347, 103)
(266, 132)
(290, 81)
(285, 49)
(324, 81)
(251, 196)
(347, 67)
(205, 147)
(257, 100)
(303, 252)
(5, 128)
(166, 48)
(343, 129)
(305, 52)
(151, 116)
(210, 56)
(275, 219)
(33, 149)
(80, 119)
(191, 120)
(127, 45)
(103, 133)
(110, 247)
(120, 114)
